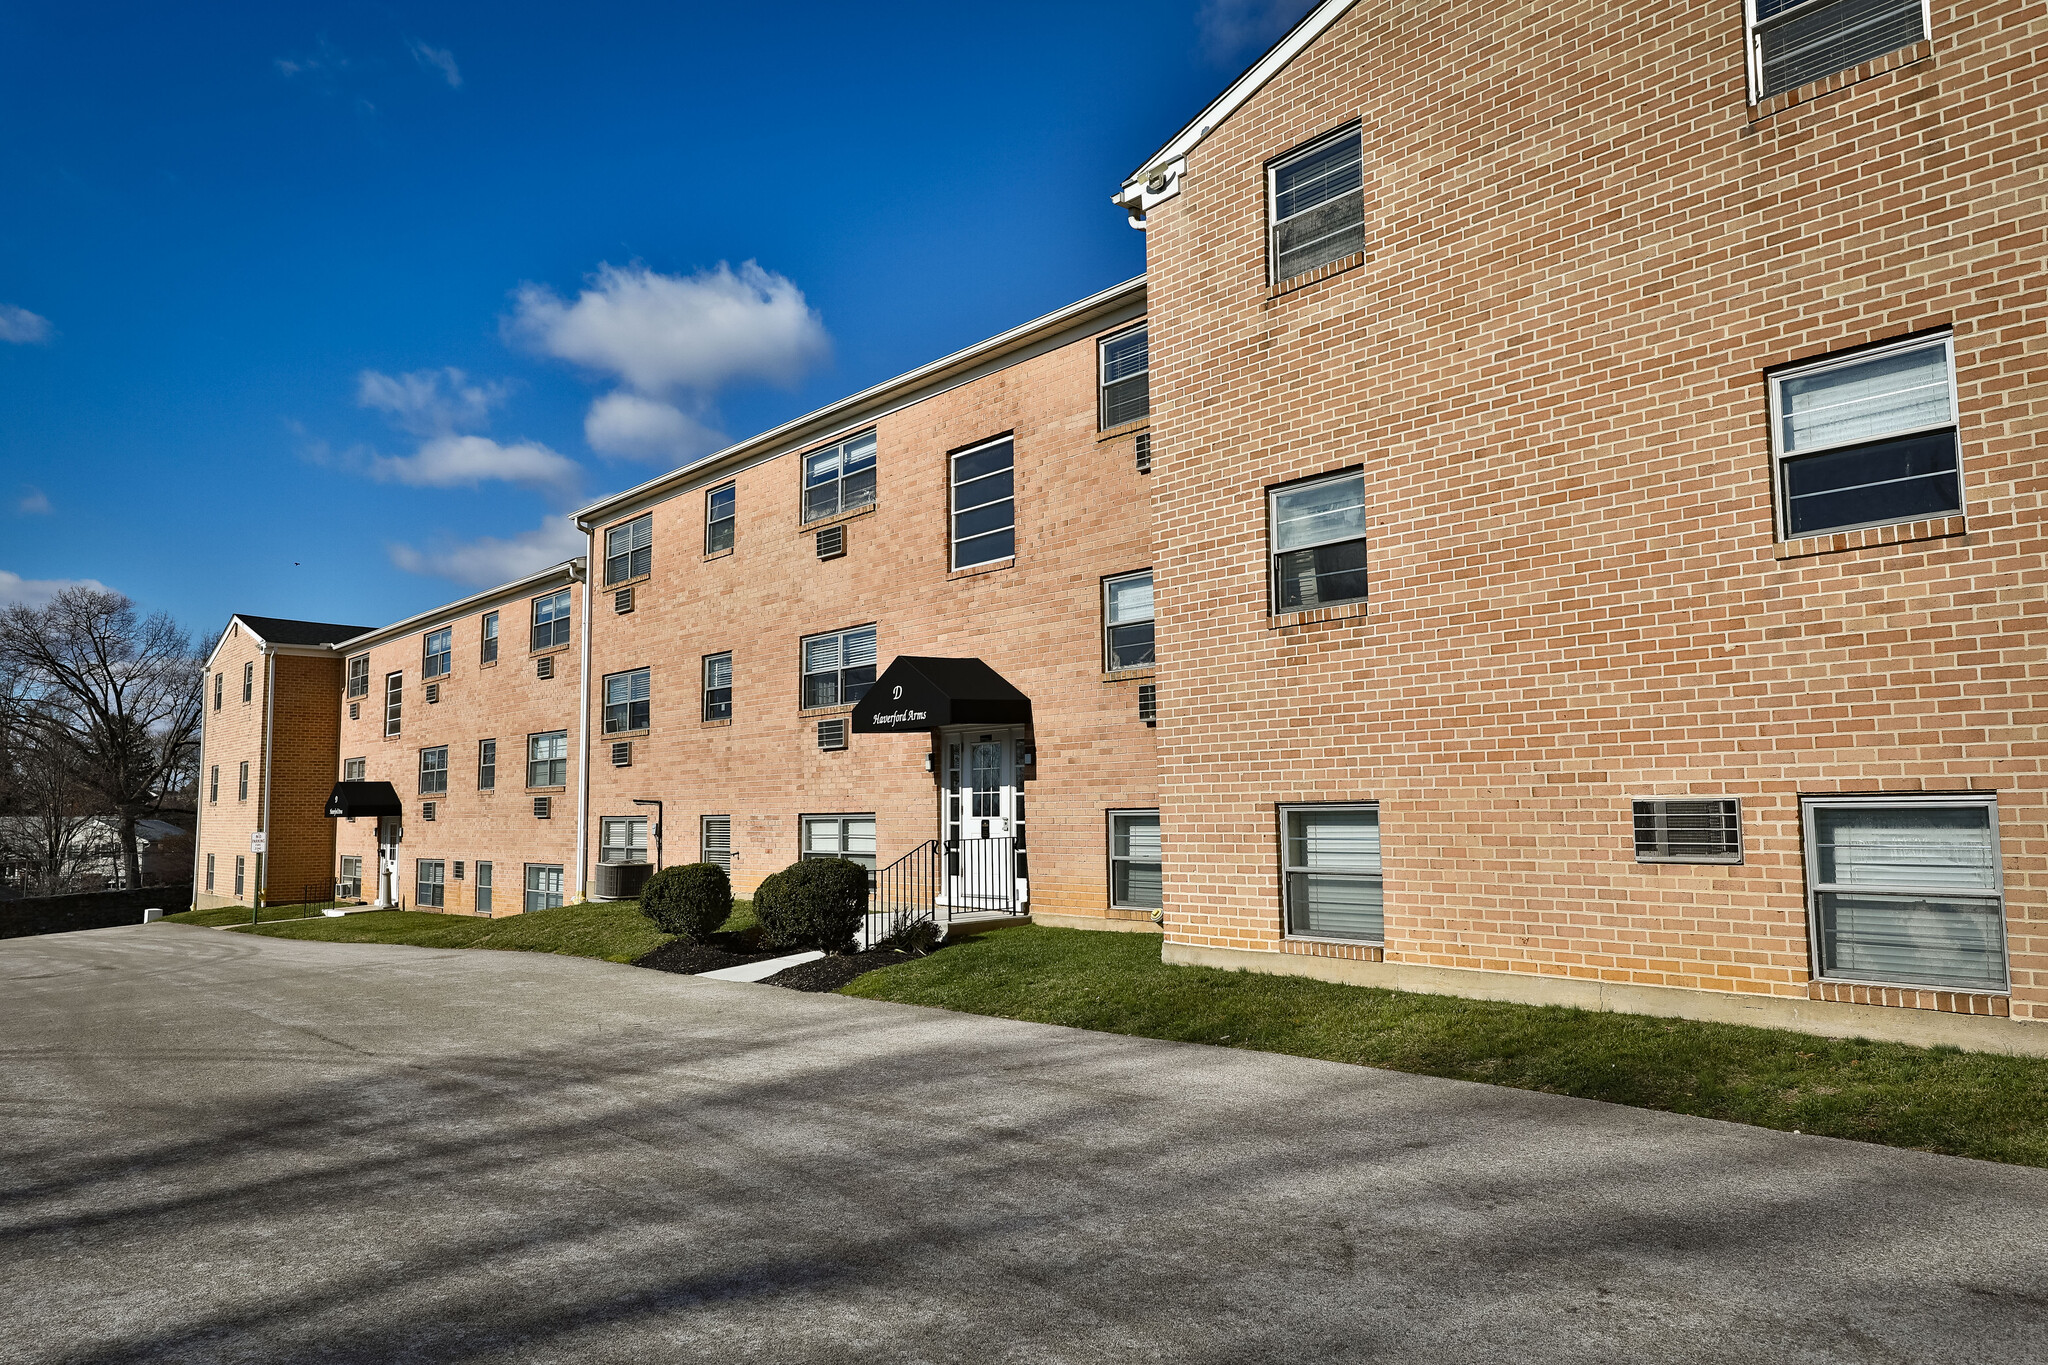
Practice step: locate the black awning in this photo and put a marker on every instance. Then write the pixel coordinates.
(363, 798)
(923, 694)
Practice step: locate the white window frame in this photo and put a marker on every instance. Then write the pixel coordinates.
(563, 759)
(1281, 162)
(421, 881)
(838, 481)
(1780, 457)
(1114, 857)
(717, 851)
(1286, 808)
(712, 521)
(840, 822)
(556, 624)
(1102, 380)
(359, 676)
(627, 825)
(542, 892)
(1109, 663)
(710, 686)
(487, 648)
(431, 772)
(213, 786)
(1755, 28)
(480, 887)
(839, 671)
(242, 781)
(954, 539)
(394, 704)
(437, 663)
(1273, 552)
(354, 769)
(351, 879)
(624, 681)
(248, 682)
(241, 869)
(487, 765)
(632, 531)
(1809, 806)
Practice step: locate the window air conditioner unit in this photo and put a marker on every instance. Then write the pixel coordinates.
(544, 668)
(1148, 703)
(543, 807)
(433, 693)
(622, 754)
(622, 601)
(832, 734)
(832, 542)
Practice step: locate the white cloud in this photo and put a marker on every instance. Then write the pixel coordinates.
(1232, 30)
(22, 327)
(429, 402)
(33, 502)
(36, 592)
(436, 59)
(483, 563)
(454, 461)
(330, 61)
(626, 424)
(660, 333)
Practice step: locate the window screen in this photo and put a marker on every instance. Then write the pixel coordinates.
(623, 839)
(1317, 199)
(489, 653)
(1867, 440)
(1331, 864)
(841, 836)
(547, 759)
(551, 620)
(359, 676)
(434, 770)
(429, 884)
(543, 886)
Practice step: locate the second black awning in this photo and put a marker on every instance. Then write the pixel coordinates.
(916, 693)
(363, 798)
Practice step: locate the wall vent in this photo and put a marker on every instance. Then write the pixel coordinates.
(622, 754)
(458, 871)
(543, 807)
(1148, 703)
(832, 542)
(355, 710)
(1144, 452)
(622, 601)
(544, 668)
(832, 734)
(433, 693)
(1689, 831)
(427, 811)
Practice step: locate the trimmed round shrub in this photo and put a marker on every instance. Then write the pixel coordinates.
(692, 900)
(816, 903)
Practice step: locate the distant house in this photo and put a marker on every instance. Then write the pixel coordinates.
(92, 857)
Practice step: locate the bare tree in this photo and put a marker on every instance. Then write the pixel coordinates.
(49, 807)
(122, 691)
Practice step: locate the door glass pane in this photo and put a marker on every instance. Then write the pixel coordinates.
(985, 776)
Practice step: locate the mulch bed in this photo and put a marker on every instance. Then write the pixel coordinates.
(829, 973)
(689, 959)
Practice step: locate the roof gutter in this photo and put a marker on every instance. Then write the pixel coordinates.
(565, 569)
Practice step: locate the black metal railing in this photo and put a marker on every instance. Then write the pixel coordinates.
(983, 874)
(905, 893)
(935, 881)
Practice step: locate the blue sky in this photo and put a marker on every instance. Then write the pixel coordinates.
(331, 311)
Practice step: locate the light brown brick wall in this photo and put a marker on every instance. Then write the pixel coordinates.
(233, 735)
(504, 701)
(1582, 255)
(1083, 513)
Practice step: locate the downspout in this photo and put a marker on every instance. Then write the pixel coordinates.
(199, 798)
(583, 722)
(269, 734)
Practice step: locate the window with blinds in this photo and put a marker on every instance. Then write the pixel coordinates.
(437, 653)
(1795, 42)
(1330, 868)
(839, 478)
(543, 886)
(1127, 627)
(1689, 831)
(720, 517)
(547, 759)
(1867, 439)
(629, 549)
(1135, 880)
(840, 836)
(839, 668)
(1318, 542)
(1125, 380)
(1907, 893)
(434, 770)
(628, 703)
(715, 840)
(718, 686)
(1316, 197)
(551, 620)
(622, 839)
(429, 886)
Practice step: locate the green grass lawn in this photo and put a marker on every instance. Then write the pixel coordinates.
(239, 914)
(1935, 1099)
(613, 931)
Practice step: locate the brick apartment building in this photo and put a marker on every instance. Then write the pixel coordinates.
(1600, 477)
(1595, 525)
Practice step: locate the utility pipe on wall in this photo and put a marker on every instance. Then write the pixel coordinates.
(583, 720)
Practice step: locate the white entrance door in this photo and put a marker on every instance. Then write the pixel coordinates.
(983, 817)
(388, 836)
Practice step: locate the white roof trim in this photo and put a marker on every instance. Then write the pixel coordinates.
(569, 571)
(1165, 166)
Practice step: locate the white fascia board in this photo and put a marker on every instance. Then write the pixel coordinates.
(860, 409)
(1165, 167)
(568, 571)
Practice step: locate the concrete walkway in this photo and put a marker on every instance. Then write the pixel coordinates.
(225, 1148)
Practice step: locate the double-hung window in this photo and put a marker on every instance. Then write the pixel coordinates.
(551, 620)
(627, 701)
(434, 770)
(213, 786)
(242, 783)
(209, 872)
(1795, 42)
(841, 836)
(1318, 542)
(437, 653)
(430, 884)
(714, 840)
(216, 691)
(543, 886)
(718, 687)
(349, 885)
(1330, 861)
(1127, 621)
(487, 765)
(1125, 378)
(1868, 439)
(1316, 197)
(352, 769)
(1907, 892)
(547, 759)
(1135, 868)
(394, 702)
(838, 668)
(622, 839)
(839, 478)
(985, 504)
(241, 867)
(489, 652)
(720, 516)
(629, 549)
(248, 682)
(359, 676)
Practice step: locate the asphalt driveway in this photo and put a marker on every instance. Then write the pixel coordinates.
(223, 1148)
